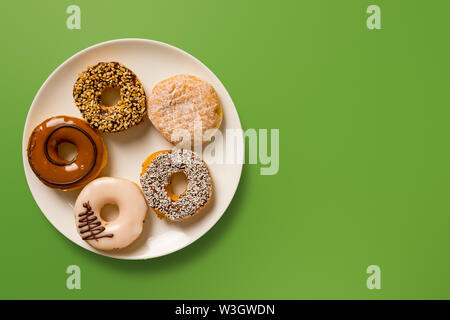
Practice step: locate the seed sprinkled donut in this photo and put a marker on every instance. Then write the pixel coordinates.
(185, 107)
(88, 89)
(120, 232)
(56, 172)
(157, 171)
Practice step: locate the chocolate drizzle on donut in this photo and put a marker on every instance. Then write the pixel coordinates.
(50, 159)
(50, 167)
(93, 227)
(94, 146)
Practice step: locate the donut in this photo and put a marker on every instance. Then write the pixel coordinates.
(91, 83)
(56, 172)
(157, 171)
(120, 232)
(180, 106)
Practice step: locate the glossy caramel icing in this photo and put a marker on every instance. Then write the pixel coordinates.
(57, 172)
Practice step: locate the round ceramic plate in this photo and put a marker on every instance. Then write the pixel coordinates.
(152, 62)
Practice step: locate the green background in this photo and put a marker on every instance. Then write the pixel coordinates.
(364, 158)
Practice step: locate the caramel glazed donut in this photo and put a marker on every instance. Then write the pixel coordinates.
(180, 104)
(90, 85)
(157, 171)
(120, 232)
(59, 173)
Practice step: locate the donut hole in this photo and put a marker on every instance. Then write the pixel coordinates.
(178, 184)
(67, 151)
(110, 96)
(109, 212)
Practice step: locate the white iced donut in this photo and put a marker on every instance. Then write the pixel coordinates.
(122, 231)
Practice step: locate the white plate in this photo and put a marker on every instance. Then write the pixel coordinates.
(152, 61)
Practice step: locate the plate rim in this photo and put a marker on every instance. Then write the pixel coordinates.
(44, 85)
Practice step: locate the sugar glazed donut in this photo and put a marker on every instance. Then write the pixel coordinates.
(156, 174)
(91, 83)
(120, 232)
(57, 172)
(185, 107)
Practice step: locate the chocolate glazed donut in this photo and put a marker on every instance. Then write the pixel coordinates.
(57, 172)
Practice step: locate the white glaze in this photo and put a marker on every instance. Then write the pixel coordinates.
(128, 197)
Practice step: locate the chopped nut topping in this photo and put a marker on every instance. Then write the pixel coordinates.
(87, 91)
